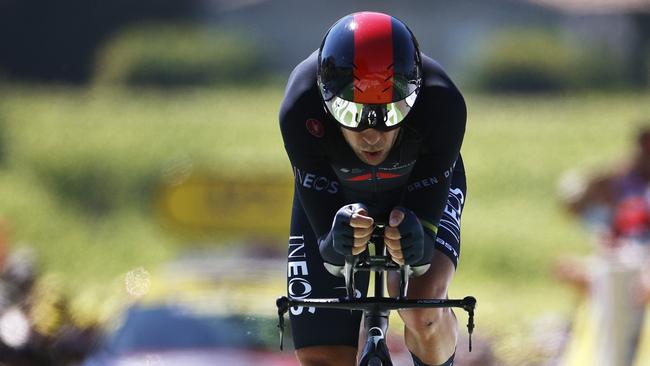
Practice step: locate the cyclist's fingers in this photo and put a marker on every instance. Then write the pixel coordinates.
(361, 242)
(392, 233)
(396, 217)
(358, 250)
(396, 254)
(363, 232)
(360, 219)
(392, 244)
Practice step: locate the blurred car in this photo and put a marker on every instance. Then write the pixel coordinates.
(211, 307)
(170, 335)
(205, 308)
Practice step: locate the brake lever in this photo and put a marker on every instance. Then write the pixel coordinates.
(283, 306)
(470, 306)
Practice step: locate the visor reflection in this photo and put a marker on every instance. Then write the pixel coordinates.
(352, 115)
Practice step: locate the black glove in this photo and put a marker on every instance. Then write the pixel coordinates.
(412, 237)
(339, 241)
(342, 232)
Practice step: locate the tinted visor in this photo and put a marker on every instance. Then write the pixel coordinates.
(358, 116)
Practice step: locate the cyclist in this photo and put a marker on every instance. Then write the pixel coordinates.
(373, 130)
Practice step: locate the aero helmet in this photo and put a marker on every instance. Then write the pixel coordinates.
(369, 71)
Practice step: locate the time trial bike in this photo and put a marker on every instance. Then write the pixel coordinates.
(376, 309)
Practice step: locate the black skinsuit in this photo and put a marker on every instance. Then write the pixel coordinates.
(423, 172)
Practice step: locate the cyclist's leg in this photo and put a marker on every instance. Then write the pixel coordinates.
(320, 336)
(418, 362)
(327, 356)
(431, 334)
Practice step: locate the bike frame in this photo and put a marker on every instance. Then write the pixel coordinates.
(376, 310)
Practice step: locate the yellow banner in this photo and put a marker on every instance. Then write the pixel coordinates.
(204, 204)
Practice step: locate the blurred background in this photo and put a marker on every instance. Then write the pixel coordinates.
(143, 178)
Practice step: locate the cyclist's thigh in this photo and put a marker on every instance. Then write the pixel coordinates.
(308, 278)
(448, 237)
(327, 356)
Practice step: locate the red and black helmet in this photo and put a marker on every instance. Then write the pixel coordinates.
(369, 71)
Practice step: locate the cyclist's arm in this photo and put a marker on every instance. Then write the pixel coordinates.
(429, 190)
(320, 195)
(316, 186)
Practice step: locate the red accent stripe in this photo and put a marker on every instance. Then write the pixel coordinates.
(373, 58)
(382, 175)
(359, 178)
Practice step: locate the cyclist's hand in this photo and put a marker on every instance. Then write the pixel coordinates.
(404, 237)
(352, 229)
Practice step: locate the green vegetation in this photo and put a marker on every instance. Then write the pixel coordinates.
(80, 168)
(538, 60)
(177, 55)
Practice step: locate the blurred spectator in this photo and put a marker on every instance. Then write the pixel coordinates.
(36, 325)
(615, 207)
(596, 199)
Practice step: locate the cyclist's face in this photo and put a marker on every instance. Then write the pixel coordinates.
(370, 145)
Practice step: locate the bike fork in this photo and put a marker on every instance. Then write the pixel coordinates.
(375, 353)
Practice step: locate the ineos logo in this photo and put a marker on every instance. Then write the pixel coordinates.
(299, 288)
(321, 183)
(315, 182)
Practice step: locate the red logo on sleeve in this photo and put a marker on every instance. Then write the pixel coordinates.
(315, 127)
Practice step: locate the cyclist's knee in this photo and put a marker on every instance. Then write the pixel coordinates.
(327, 355)
(427, 322)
